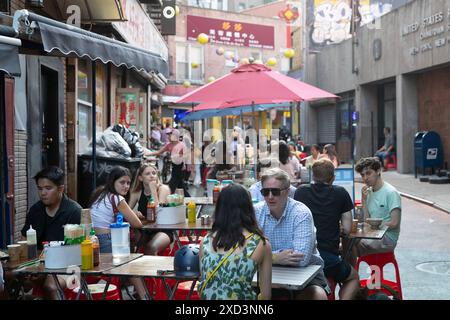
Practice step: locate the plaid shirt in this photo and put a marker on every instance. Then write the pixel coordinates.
(294, 230)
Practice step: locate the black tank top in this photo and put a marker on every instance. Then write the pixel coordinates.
(142, 204)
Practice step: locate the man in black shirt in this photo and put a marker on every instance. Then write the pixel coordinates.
(330, 205)
(49, 215)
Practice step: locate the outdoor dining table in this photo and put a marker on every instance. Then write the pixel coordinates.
(157, 267)
(291, 278)
(190, 228)
(106, 262)
(366, 233)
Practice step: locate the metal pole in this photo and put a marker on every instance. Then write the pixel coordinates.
(3, 158)
(371, 131)
(94, 128)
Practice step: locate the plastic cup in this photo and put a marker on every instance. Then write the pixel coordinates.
(355, 225)
(210, 183)
(23, 249)
(14, 252)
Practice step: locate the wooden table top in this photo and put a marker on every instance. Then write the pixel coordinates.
(292, 278)
(147, 266)
(197, 225)
(106, 262)
(369, 233)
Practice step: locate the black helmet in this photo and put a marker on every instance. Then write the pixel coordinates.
(187, 261)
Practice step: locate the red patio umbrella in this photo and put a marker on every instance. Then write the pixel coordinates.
(252, 84)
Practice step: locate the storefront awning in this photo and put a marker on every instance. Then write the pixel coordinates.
(69, 40)
(9, 56)
(93, 10)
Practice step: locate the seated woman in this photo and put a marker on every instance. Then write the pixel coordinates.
(106, 202)
(329, 152)
(237, 240)
(286, 162)
(148, 187)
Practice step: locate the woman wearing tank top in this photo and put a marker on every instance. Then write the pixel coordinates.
(148, 187)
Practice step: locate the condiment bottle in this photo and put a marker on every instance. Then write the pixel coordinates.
(192, 212)
(95, 247)
(87, 255)
(32, 243)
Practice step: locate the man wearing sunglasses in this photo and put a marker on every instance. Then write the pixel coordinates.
(289, 226)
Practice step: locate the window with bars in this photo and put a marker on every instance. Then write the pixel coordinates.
(4, 6)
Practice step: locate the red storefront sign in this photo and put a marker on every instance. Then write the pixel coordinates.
(231, 33)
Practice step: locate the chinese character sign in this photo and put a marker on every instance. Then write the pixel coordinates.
(231, 33)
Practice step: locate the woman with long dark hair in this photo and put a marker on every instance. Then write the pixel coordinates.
(106, 202)
(286, 163)
(238, 244)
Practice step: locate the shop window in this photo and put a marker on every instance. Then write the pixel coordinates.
(186, 55)
(84, 84)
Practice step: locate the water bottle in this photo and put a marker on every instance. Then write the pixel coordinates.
(87, 255)
(360, 217)
(95, 247)
(32, 243)
(120, 237)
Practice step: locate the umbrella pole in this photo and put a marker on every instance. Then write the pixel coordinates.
(94, 129)
(255, 152)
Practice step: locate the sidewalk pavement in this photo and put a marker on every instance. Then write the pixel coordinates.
(435, 195)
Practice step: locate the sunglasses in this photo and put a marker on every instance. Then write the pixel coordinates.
(275, 191)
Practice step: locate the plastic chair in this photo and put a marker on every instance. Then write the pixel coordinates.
(380, 260)
(113, 292)
(391, 162)
(183, 290)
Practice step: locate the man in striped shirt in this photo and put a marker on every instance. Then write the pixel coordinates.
(289, 226)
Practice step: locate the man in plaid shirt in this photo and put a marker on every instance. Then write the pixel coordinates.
(289, 226)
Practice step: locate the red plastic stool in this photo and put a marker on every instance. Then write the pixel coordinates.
(183, 290)
(332, 285)
(97, 292)
(391, 162)
(380, 260)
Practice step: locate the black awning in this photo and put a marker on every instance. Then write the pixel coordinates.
(69, 40)
(9, 59)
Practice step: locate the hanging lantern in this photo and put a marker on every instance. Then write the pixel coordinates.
(202, 38)
(186, 84)
(220, 51)
(245, 61)
(236, 59)
(272, 62)
(289, 53)
(229, 55)
(177, 10)
(251, 60)
(211, 79)
(194, 65)
(258, 61)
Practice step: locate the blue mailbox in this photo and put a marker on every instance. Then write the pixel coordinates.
(428, 151)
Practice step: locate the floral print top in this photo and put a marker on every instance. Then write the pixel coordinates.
(233, 280)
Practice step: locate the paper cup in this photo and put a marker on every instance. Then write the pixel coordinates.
(23, 250)
(14, 252)
(354, 225)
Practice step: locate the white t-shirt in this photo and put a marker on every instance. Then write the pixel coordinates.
(102, 211)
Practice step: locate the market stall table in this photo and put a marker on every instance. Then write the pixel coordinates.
(190, 228)
(367, 233)
(106, 262)
(153, 267)
(291, 278)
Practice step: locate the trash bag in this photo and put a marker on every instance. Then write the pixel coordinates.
(113, 141)
(131, 138)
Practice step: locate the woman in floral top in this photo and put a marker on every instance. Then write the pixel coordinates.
(235, 228)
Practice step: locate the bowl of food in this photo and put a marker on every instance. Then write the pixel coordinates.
(374, 222)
